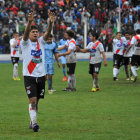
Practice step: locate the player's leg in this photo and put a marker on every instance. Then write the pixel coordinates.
(73, 79)
(14, 68)
(126, 62)
(63, 61)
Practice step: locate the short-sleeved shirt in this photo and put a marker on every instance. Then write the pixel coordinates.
(33, 57)
(95, 50)
(136, 44)
(15, 50)
(50, 49)
(61, 43)
(71, 44)
(118, 46)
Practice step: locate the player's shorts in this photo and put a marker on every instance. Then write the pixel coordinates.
(49, 69)
(94, 68)
(63, 60)
(126, 60)
(135, 60)
(117, 60)
(14, 60)
(35, 86)
(71, 68)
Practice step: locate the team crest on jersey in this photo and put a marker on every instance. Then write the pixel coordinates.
(28, 92)
(28, 87)
(36, 54)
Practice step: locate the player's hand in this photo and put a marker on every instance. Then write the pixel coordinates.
(59, 66)
(31, 16)
(105, 63)
(51, 16)
(77, 48)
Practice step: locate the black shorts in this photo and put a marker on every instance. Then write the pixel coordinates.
(126, 60)
(94, 68)
(14, 60)
(71, 68)
(35, 86)
(135, 60)
(117, 60)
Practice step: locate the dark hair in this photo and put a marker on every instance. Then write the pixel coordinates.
(119, 32)
(138, 31)
(94, 34)
(34, 27)
(50, 36)
(15, 33)
(70, 33)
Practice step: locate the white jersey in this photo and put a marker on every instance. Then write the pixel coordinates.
(71, 44)
(95, 50)
(14, 50)
(33, 57)
(136, 44)
(118, 46)
(126, 45)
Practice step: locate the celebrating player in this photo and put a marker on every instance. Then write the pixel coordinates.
(95, 48)
(50, 50)
(118, 48)
(70, 59)
(14, 45)
(135, 42)
(33, 65)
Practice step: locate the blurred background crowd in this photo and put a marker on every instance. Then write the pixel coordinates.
(101, 16)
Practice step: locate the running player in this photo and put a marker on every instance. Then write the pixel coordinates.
(127, 56)
(63, 59)
(50, 50)
(118, 48)
(33, 65)
(95, 48)
(15, 47)
(70, 59)
(135, 42)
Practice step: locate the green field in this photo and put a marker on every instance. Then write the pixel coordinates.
(111, 114)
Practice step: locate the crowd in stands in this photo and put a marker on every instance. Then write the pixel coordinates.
(101, 16)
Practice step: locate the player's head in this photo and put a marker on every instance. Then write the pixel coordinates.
(119, 35)
(93, 36)
(15, 35)
(127, 35)
(49, 40)
(138, 31)
(69, 34)
(34, 33)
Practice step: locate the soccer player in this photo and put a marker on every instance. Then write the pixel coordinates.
(95, 48)
(70, 45)
(63, 59)
(118, 49)
(15, 47)
(33, 65)
(127, 56)
(50, 50)
(135, 42)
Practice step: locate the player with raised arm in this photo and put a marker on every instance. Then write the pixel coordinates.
(50, 50)
(135, 42)
(70, 45)
(118, 49)
(33, 65)
(95, 48)
(15, 48)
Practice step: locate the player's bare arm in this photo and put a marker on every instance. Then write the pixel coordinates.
(61, 48)
(56, 57)
(104, 57)
(84, 50)
(129, 48)
(27, 29)
(49, 29)
(66, 53)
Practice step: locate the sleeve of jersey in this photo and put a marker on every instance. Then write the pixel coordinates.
(24, 44)
(89, 46)
(133, 41)
(71, 46)
(41, 40)
(101, 48)
(55, 50)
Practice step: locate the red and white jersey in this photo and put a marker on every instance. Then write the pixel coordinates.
(14, 50)
(33, 57)
(71, 44)
(95, 50)
(136, 43)
(118, 46)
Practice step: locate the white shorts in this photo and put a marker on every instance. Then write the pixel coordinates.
(63, 60)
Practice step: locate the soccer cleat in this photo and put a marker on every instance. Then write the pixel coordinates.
(135, 79)
(73, 89)
(14, 79)
(127, 79)
(97, 89)
(67, 89)
(115, 79)
(132, 79)
(18, 79)
(50, 91)
(35, 127)
(94, 89)
(30, 126)
(64, 79)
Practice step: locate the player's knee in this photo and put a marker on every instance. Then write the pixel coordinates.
(95, 75)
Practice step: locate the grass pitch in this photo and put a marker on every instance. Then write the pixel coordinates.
(111, 114)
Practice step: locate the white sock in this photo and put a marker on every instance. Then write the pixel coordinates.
(73, 80)
(115, 72)
(33, 114)
(93, 82)
(134, 71)
(14, 71)
(69, 81)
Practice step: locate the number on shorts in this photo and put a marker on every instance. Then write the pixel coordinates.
(96, 69)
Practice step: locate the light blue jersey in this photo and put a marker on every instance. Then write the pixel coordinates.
(62, 42)
(50, 49)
